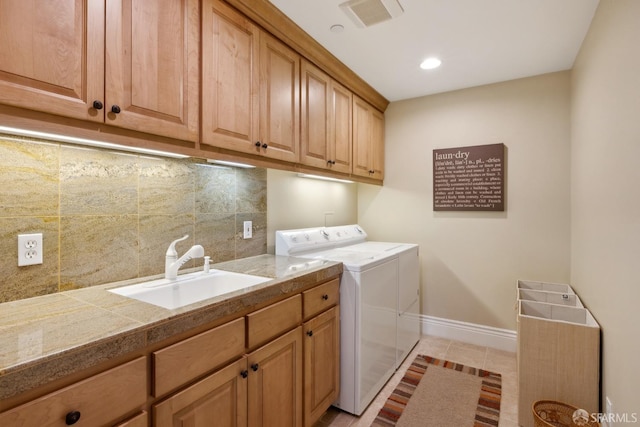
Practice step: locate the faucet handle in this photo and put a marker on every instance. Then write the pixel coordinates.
(172, 247)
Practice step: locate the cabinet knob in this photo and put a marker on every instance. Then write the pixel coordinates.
(72, 417)
(97, 105)
(258, 144)
(371, 172)
(264, 145)
(255, 367)
(310, 333)
(115, 109)
(325, 297)
(244, 374)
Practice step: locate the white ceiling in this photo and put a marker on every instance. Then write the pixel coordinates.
(478, 41)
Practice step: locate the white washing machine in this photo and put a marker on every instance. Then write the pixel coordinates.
(378, 292)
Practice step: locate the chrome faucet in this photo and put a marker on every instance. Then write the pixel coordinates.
(172, 263)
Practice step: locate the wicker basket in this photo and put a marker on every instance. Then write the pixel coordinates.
(549, 413)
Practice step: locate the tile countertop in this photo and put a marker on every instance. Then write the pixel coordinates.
(45, 338)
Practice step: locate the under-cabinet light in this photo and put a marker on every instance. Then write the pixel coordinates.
(91, 142)
(232, 164)
(324, 178)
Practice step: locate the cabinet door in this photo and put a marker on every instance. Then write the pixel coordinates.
(52, 56)
(220, 399)
(279, 100)
(340, 133)
(275, 382)
(321, 364)
(368, 140)
(152, 66)
(325, 140)
(315, 101)
(230, 79)
(377, 144)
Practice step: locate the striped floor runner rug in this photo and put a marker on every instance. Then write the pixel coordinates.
(439, 393)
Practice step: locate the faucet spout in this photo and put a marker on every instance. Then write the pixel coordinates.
(173, 263)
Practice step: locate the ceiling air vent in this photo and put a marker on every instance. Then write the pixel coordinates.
(369, 12)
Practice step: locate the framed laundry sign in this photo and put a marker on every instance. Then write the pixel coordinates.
(469, 178)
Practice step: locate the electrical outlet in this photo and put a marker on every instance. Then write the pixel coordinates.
(247, 230)
(30, 249)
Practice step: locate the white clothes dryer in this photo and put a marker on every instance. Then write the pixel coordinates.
(378, 316)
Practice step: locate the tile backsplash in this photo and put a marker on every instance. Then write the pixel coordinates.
(108, 216)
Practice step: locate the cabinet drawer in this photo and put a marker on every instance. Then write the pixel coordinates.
(99, 400)
(188, 359)
(271, 321)
(320, 298)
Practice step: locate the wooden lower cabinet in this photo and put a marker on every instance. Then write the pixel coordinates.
(264, 388)
(321, 364)
(277, 366)
(275, 382)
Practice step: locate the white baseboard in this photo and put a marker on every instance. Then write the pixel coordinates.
(487, 336)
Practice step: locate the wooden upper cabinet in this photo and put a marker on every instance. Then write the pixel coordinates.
(279, 100)
(368, 140)
(189, 70)
(325, 121)
(140, 71)
(230, 79)
(52, 56)
(152, 66)
(250, 87)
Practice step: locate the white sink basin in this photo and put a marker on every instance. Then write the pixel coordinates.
(189, 288)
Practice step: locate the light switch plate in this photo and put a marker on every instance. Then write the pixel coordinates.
(247, 230)
(30, 249)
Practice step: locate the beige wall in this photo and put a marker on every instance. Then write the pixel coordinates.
(605, 202)
(470, 261)
(295, 202)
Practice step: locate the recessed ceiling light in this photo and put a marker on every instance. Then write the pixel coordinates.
(337, 28)
(430, 63)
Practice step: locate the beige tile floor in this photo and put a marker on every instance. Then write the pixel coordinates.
(468, 354)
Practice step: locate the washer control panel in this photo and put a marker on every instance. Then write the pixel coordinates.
(296, 242)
